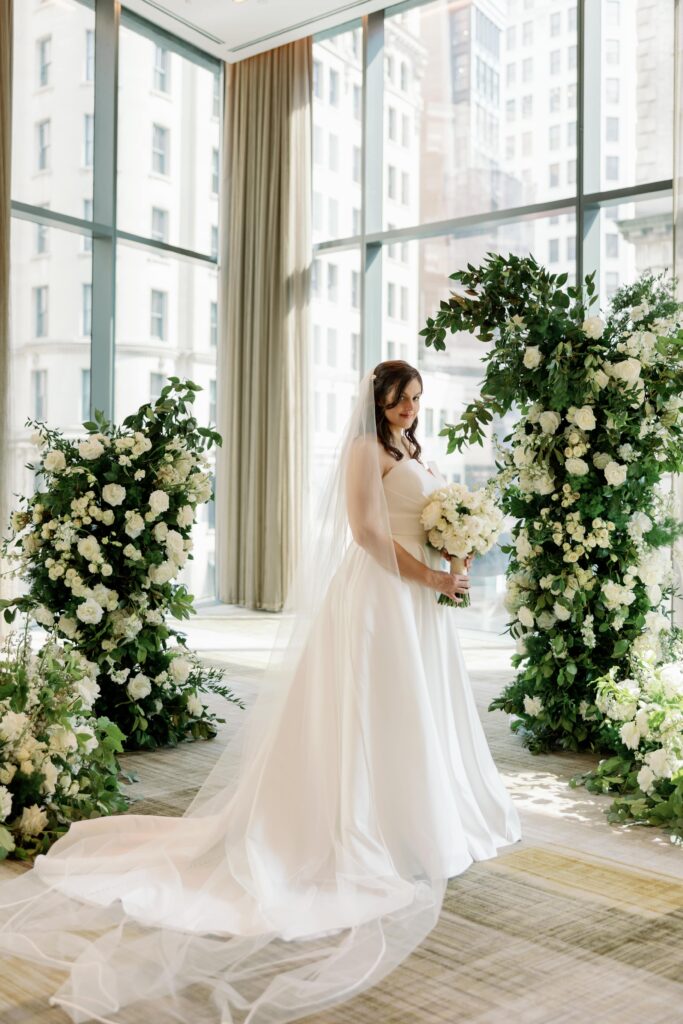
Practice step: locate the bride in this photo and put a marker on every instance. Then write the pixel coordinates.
(315, 856)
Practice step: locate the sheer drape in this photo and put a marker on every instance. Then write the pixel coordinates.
(5, 220)
(263, 309)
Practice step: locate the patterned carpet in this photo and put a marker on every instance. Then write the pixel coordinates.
(580, 923)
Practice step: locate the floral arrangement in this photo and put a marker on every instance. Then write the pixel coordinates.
(99, 545)
(599, 423)
(463, 523)
(644, 715)
(57, 761)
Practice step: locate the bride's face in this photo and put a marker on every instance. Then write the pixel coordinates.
(402, 415)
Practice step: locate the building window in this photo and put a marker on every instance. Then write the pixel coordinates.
(555, 97)
(86, 310)
(571, 172)
(213, 410)
(334, 88)
(158, 318)
(391, 123)
(156, 383)
(216, 111)
(511, 74)
(42, 245)
(554, 175)
(85, 394)
(571, 133)
(555, 62)
(88, 139)
(571, 19)
(43, 54)
(43, 141)
(405, 188)
(571, 248)
(89, 55)
(331, 346)
(510, 110)
(612, 129)
(527, 106)
(571, 96)
(333, 217)
(355, 221)
(571, 57)
(162, 69)
(331, 412)
(39, 392)
(612, 90)
(554, 136)
(317, 79)
(357, 102)
(405, 76)
(356, 164)
(527, 33)
(611, 283)
(612, 168)
(355, 351)
(332, 282)
(527, 69)
(527, 143)
(391, 299)
(40, 301)
(317, 212)
(612, 246)
(404, 303)
(555, 24)
(612, 51)
(160, 149)
(391, 182)
(429, 422)
(159, 224)
(315, 277)
(86, 240)
(510, 147)
(355, 289)
(553, 250)
(214, 241)
(333, 152)
(391, 350)
(214, 171)
(405, 130)
(511, 37)
(213, 324)
(613, 13)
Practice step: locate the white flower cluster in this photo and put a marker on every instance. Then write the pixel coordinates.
(463, 522)
(650, 710)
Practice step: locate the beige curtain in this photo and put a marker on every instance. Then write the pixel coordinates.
(5, 219)
(678, 261)
(263, 316)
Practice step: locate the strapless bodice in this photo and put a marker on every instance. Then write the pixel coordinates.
(406, 487)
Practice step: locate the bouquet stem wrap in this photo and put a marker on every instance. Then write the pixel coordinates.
(457, 565)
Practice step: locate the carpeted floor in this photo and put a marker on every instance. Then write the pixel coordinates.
(580, 923)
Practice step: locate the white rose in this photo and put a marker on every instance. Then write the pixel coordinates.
(646, 778)
(158, 502)
(33, 820)
(5, 803)
(585, 418)
(532, 357)
(593, 327)
(132, 552)
(180, 669)
(91, 448)
(658, 761)
(43, 615)
(12, 725)
(113, 494)
(601, 378)
(526, 616)
(562, 613)
(546, 620)
(67, 626)
(549, 421)
(601, 459)
(139, 686)
(37, 439)
(160, 532)
(630, 735)
(50, 773)
(135, 524)
(88, 690)
(533, 705)
(89, 549)
(194, 705)
(615, 474)
(89, 612)
(54, 461)
(628, 370)
(577, 467)
(185, 516)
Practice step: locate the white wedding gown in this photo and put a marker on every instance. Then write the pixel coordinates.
(376, 782)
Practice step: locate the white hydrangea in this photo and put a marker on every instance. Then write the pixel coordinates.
(533, 705)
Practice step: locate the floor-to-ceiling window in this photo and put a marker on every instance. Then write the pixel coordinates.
(468, 126)
(115, 181)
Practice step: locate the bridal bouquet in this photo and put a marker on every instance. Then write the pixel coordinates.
(463, 523)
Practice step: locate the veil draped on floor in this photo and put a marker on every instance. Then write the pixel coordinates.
(274, 896)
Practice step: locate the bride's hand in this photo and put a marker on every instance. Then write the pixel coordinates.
(468, 560)
(452, 584)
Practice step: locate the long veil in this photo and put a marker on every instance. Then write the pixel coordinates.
(276, 895)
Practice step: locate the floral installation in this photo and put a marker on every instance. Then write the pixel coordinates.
(599, 425)
(463, 523)
(643, 715)
(99, 546)
(57, 760)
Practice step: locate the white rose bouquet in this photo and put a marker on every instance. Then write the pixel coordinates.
(57, 760)
(100, 545)
(463, 523)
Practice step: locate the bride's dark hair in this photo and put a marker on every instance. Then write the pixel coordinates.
(393, 372)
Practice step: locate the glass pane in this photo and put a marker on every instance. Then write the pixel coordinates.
(416, 278)
(167, 325)
(638, 91)
(337, 113)
(479, 108)
(168, 146)
(51, 301)
(635, 237)
(52, 105)
(336, 357)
